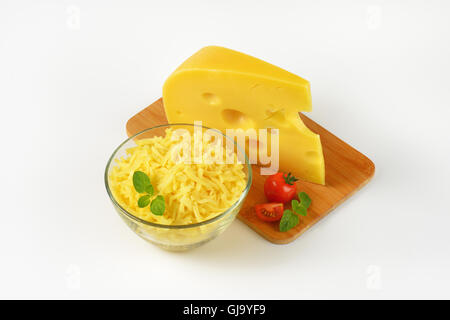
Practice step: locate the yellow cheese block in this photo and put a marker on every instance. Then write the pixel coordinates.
(226, 89)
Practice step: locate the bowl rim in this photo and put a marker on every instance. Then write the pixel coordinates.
(180, 226)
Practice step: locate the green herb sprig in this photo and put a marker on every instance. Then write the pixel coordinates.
(142, 184)
(290, 217)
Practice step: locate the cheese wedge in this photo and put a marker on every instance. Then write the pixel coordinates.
(226, 89)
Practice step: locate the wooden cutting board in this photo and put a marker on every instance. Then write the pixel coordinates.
(347, 171)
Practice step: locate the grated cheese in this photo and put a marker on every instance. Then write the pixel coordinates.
(192, 192)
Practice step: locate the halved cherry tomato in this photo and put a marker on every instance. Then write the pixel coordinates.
(269, 211)
(280, 187)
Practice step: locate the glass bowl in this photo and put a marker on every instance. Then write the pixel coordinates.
(177, 237)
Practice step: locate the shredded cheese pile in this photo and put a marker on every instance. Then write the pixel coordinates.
(192, 192)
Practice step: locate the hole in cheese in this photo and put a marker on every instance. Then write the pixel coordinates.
(211, 98)
(277, 117)
(233, 116)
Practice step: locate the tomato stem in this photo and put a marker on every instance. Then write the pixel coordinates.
(289, 179)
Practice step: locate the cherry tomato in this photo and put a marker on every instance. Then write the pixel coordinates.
(269, 211)
(280, 187)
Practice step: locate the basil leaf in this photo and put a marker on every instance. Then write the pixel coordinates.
(144, 201)
(298, 208)
(149, 189)
(295, 204)
(288, 221)
(158, 206)
(305, 200)
(140, 181)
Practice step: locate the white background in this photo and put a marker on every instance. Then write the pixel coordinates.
(73, 72)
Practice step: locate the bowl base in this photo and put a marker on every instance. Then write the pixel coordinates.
(180, 248)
